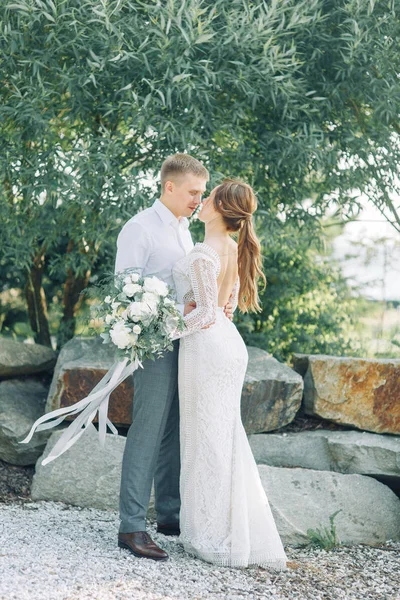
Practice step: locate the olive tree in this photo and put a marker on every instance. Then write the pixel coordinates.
(299, 97)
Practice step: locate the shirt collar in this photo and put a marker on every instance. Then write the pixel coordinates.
(168, 217)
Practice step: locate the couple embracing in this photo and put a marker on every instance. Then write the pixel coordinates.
(186, 434)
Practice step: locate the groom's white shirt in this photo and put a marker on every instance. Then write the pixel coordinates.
(152, 242)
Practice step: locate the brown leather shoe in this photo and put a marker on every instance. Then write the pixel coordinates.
(168, 528)
(141, 545)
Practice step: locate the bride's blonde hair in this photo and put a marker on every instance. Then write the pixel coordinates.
(236, 202)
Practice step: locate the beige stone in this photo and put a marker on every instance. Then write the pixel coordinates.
(364, 393)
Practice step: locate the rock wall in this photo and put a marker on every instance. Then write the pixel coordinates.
(271, 395)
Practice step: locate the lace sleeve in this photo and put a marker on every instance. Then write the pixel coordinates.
(203, 278)
(234, 297)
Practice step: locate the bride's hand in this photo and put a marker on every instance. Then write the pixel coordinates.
(228, 310)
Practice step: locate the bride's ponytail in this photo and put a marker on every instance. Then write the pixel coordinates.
(250, 267)
(236, 201)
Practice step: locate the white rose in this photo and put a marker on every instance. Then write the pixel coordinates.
(135, 311)
(131, 288)
(109, 318)
(132, 278)
(120, 335)
(155, 286)
(138, 310)
(136, 329)
(107, 299)
(151, 300)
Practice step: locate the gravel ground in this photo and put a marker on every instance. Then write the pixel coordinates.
(15, 482)
(50, 550)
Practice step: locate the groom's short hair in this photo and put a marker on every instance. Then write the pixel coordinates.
(179, 164)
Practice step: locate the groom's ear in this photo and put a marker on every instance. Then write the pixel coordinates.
(169, 186)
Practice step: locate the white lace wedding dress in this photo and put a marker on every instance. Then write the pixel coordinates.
(225, 515)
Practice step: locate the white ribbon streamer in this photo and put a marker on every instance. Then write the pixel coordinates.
(96, 400)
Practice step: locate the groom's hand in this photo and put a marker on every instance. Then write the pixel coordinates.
(228, 310)
(188, 308)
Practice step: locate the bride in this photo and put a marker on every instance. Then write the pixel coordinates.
(225, 516)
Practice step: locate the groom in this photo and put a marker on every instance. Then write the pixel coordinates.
(153, 241)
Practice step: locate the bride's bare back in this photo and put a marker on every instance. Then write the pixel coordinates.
(227, 278)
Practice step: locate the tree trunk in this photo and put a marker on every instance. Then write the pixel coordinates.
(71, 302)
(36, 301)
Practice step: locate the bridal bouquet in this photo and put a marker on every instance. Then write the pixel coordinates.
(138, 318)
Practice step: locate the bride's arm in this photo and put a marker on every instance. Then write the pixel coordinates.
(203, 278)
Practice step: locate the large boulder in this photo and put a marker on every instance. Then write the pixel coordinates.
(303, 498)
(271, 395)
(85, 475)
(21, 403)
(81, 364)
(360, 392)
(17, 358)
(342, 451)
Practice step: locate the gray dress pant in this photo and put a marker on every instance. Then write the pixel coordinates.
(152, 446)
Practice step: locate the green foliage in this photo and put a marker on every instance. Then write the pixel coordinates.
(325, 537)
(307, 306)
(300, 97)
(378, 328)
